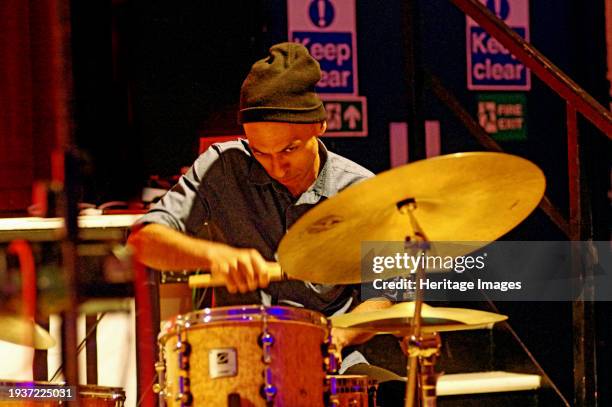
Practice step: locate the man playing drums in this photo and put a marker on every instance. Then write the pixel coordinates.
(230, 211)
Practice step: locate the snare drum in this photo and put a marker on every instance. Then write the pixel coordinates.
(13, 393)
(350, 391)
(243, 356)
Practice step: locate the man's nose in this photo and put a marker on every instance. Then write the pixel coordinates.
(278, 168)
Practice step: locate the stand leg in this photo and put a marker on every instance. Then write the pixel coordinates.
(412, 381)
(427, 381)
(422, 353)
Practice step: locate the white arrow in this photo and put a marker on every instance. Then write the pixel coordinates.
(352, 116)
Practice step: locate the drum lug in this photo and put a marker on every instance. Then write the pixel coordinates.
(266, 340)
(160, 367)
(332, 362)
(268, 392)
(186, 398)
(184, 347)
(331, 356)
(157, 389)
(184, 363)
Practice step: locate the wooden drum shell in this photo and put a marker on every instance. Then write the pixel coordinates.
(297, 362)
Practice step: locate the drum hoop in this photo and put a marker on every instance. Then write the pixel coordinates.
(92, 390)
(29, 383)
(247, 313)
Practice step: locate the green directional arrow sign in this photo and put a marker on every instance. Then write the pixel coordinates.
(346, 116)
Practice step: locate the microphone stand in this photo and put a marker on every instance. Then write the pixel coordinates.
(70, 268)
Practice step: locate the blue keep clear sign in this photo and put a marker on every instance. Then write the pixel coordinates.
(327, 29)
(334, 53)
(490, 66)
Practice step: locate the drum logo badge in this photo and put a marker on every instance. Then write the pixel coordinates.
(222, 362)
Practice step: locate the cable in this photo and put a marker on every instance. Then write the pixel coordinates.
(517, 338)
(148, 389)
(198, 301)
(81, 344)
(528, 352)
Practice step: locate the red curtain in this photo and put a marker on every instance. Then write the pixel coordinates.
(34, 95)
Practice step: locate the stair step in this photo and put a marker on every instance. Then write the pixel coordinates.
(485, 382)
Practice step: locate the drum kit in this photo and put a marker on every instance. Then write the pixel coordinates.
(260, 356)
(284, 356)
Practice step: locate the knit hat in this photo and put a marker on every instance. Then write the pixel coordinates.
(280, 88)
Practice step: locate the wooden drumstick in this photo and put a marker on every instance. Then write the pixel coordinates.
(207, 280)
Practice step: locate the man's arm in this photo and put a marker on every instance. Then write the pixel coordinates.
(345, 336)
(164, 248)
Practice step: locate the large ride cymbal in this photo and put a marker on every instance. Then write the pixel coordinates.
(394, 319)
(22, 331)
(465, 197)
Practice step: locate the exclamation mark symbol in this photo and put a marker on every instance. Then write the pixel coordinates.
(321, 6)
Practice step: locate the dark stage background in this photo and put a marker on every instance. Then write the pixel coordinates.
(150, 77)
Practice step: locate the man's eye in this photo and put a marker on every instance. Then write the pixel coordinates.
(290, 149)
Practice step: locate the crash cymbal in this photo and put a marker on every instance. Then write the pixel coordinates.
(21, 331)
(465, 197)
(397, 319)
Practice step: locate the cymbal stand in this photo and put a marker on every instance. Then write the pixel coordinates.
(423, 349)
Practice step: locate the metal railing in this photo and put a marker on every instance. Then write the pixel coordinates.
(577, 101)
(569, 90)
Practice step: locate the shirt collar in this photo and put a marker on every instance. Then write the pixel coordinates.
(323, 184)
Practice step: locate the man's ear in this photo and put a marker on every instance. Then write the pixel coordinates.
(323, 127)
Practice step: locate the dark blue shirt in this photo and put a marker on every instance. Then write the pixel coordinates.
(227, 196)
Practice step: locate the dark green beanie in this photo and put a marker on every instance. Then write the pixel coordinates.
(280, 88)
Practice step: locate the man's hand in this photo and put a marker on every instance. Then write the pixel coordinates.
(163, 248)
(342, 337)
(242, 269)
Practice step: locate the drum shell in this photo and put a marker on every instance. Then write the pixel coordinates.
(348, 390)
(297, 363)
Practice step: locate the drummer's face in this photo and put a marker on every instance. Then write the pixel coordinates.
(289, 152)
